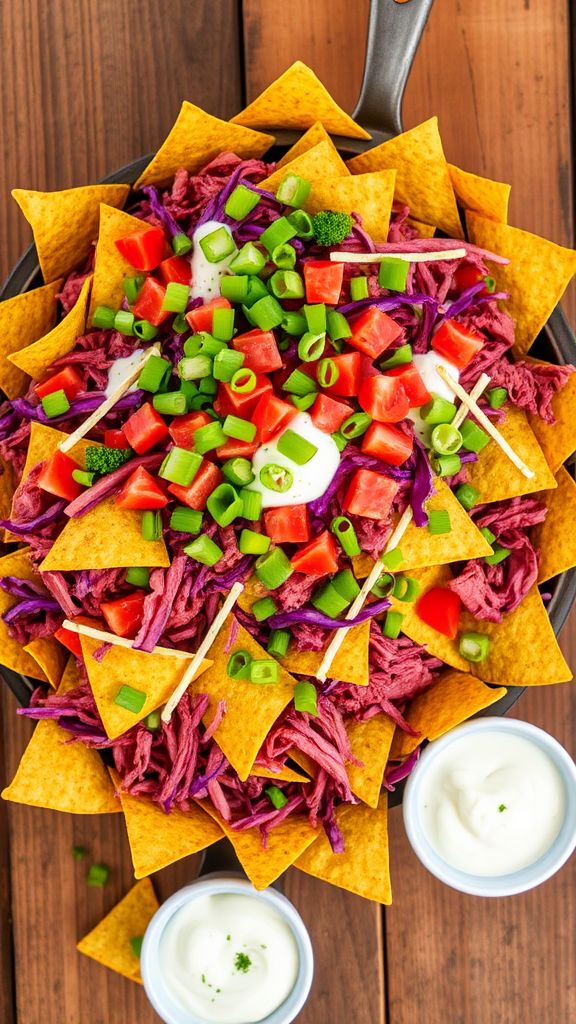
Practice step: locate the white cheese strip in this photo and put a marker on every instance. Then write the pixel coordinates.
(409, 257)
(120, 641)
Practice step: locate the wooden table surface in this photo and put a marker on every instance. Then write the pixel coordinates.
(87, 85)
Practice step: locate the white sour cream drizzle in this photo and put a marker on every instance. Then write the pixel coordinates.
(121, 369)
(309, 481)
(206, 276)
(426, 364)
(229, 958)
(492, 803)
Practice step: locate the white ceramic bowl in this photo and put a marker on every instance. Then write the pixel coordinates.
(500, 885)
(210, 885)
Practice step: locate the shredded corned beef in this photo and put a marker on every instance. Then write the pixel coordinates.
(295, 592)
(497, 330)
(190, 193)
(164, 585)
(73, 284)
(14, 447)
(531, 386)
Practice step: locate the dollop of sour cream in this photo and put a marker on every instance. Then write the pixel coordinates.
(492, 803)
(120, 369)
(309, 481)
(426, 364)
(229, 958)
(206, 276)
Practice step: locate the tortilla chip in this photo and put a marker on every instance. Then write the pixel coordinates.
(480, 195)
(369, 195)
(14, 655)
(536, 277)
(349, 666)
(412, 626)
(23, 320)
(50, 656)
(317, 133)
(70, 677)
(363, 868)
(423, 178)
(157, 675)
(106, 537)
(65, 223)
(496, 477)
(556, 536)
(370, 742)
(6, 494)
(286, 842)
(195, 138)
(157, 839)
(285, 775)
(250, 710)
(424, 230)
(110, 267)
(316, 164)
(454, 698)
(37, 358)
(44, 442)
(558, 440)
(403, 745)
(109, 942)
(297, 99)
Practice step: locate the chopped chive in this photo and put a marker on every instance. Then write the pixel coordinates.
(243, 381)
(264, 608)
(195, 368)
(131, 287)
(208, 437)
(204, 550)
(218, 245)
(264, 671)
(103, 317)
(238, 471)
(337, 326)
(186, 520)
(315, 315)
(400, 357)
(82, 477)
(345, 534)
(299, 383)
(278, 232)
(176, 297)
(327, 373)
(497, 397)
(277, 645)
(227, 363)
(439, 521)
(145, 330)
(235, 288)
(180, 466)
(498, 555)
(286, 283)
(251, 504)
(252, 543)
(295, 447)
(224, 504)
(130, 699)
(438, 410)
(153, 720)
(293, 190)
(241, 430)
(355, 425)
(474, 439)
(273, 568)
(306, 697)
(266, 313)
(284, 257)
(249, 260)
(170, 403)
(241, 202)
(311, 346)
(328, 601)
(223, 324)
(124, 322)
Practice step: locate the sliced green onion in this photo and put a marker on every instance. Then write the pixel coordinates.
(467, 496)
(358, 288)
(293, 190)
(83, 478)
(446, 465)
(474, 439)
(180, 466)
(234, 288)
(136, 944)
(339, 441)
(392, 625)
(79, 852)
(346, 584)
(224, 504)
(302, 223)
(393, 274)
(264, 608)
(278, 232)
(256, 290)
(295, 447)
(181, 244)
(153, 373)
(277, 798)
(241, 202)
(186, 520)
(311, 347)
(392, 559)
(439, 521)
(103, 317)
(153, 720)
(299, 383)
(171, 403)
(294, 324)
(193, 344)
(276, 478)
(267, 313)
(238, 666)
(176, 297)
(243, 381)
(306, 697)
(498, 555)
(138, 576)
(489, 537)
(209, 346)
(239, 472)
(151, 525)
(445, 439)
(327, 373)
(98, 875)
(208, 386)
(273, 568)
(303, 402)
(264, 671)
(286, 284)
(249, 260)
(490, 284)
(474, 646)
(328, 601)
(195, 368)
(315, 315)
(251, 504)
(242, 430)
(217, 245)
(145, 330)
(201, 402)
(124, 322)
(204, 550)
(284, 257)
(345, 534)
(337, 326)
(130, 699)
(277, 645)
(355, 425)
(384, 585)
(55, 404)
(438, 410)
(223, 324)
(400, 357)
(190, 391)
(131, 287)
(227, 363)
(497, 397)
(406, 588)
(208, 437)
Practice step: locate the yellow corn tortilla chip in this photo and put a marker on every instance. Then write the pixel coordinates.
(38, 357)
(50, 656)
(496, 477)
(23, 320)
(109, 942)
(6, 494)
(558, 440)
(480, 195)
(412, 626)
(285, 775)
(251, 710)
(297, 99)
(556, 536)
(350, 664)
(424, 230)
(317, 133)
(403, 745)
(423, 178)
(70, 677)
(370, 742)
(157, 839)
(13, 654)
(370, 195)
(316, 164)
(106, 537)
(156, 675)
(195, 138)
(43, 443)
(65, 223)
(285, 843)
(363, 868)
(536, 277)
(110, 267)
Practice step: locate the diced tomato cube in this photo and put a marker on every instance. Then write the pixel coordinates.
(148, 305)
(196, 495)
(412, 383)
(440, 609)
(466, 276)
(387, 443)
(56, 477)
(456, 343)
(236, 449)
(317, 558)
(327, 414)
(370, 494)
(143, 249)
(141, 491)
(384, 398)
(115, 439)
(323, 281)
(373, 332)
(66, 380)
(287, 525)
(235, 403)
(124, 616)
(202, 319)
(348, 364)
(182, 428)
(175, 268)
(261, 353)
(70, 640)
(271, 415)
(145, 428)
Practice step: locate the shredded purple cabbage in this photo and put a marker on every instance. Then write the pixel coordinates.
(79, 407)
(282, 620)
(38, 523)
(170, 225)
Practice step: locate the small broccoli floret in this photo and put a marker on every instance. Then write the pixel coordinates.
(106, 460)
(331, 227)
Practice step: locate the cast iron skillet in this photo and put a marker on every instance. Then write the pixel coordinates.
(393, 37)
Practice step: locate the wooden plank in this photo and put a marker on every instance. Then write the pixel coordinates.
(7, 1005)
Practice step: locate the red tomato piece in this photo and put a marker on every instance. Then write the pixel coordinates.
(202, 319)
(327, 414)
(143, 249)
(141, 491)
(177, 269)
(235, 403)
(456, 343)
(124, 616)
(67, 380)
(271, 415)
(288, 525)
(466, 276)
(145, 428)
(387, 443)
(440, 609)
(323, 281)
(384, 398)
(196, 495)
(348, 364)
(70, 640)
(56, 477)
(182, 428)
(148, 305)
(115, 439)
(318, 557)
(373, 332)
(261, 353)
(412, 383)
(236, 449)
(370, 494)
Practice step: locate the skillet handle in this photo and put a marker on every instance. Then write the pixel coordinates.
(394, 31)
